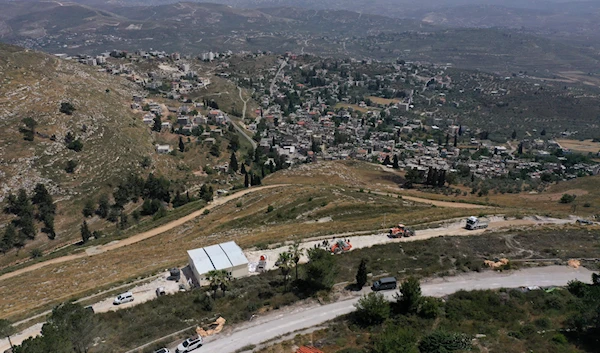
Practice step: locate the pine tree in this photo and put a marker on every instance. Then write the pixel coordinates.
(361, 274)
(233, 163)
(243, 169)
(520, 151)
(455, 140)
(246, 180)
(8, 239)
(181, 145)
(395, 162)
(447, 139)
(387, 161)
(85, 232)
(514, 134)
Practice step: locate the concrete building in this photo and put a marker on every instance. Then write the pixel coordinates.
(226, 256)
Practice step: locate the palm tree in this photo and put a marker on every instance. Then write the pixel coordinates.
(219, 279)
(296, 252)
(285, 260)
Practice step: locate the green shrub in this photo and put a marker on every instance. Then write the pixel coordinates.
(270, 209)
(372, 309)
(559, 338)
(35, 253)
(442, 341)
(567, 198)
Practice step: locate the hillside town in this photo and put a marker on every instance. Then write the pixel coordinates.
(312, 109)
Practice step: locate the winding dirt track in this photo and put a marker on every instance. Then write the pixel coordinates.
(138, 237)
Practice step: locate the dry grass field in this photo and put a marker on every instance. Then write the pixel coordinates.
(585, 146)
(383, 101)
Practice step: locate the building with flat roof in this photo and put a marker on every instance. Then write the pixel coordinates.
(226, 256)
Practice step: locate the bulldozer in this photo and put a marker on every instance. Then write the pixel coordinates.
(400, 231)
(340, 246)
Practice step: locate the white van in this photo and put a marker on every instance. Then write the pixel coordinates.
(123, 298)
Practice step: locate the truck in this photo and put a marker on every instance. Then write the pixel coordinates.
(476, 223)
(400, 231)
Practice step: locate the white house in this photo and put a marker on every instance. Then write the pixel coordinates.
(163, 149)
(225, 256)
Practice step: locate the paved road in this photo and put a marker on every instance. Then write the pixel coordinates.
(276, 324)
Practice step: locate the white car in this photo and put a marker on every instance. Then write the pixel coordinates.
(189, 345)
(123, 298)
(163, 350)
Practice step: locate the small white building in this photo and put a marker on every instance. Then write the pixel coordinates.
(163, 149)
(226, 256)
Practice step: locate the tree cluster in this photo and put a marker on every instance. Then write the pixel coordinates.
(23, 227)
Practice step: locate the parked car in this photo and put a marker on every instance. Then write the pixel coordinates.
(123, 298)
(160, 291)
(584, 221)
(385, 283)
(189, 345)
(163, 350)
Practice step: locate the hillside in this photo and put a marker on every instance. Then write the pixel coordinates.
(114, 140)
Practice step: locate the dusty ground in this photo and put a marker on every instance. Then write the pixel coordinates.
(580, 146)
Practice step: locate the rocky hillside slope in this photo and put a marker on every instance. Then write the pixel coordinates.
(114, 140)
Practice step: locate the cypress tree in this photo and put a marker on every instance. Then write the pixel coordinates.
(233, 163)
(361, 274)
(85, 232)
(246, 180)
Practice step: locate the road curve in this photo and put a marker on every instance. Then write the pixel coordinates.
(278, 323)
(138, 237)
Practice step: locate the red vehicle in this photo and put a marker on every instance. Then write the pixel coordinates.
(400, 231)
(340, 246)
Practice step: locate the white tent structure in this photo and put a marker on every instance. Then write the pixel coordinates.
(226, 256)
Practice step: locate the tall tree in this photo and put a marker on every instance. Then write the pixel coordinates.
(409, 299)
(447, 139)
(233, 163)
(243, 169)
(514, 134)
(85, 232)
(6, 330)
(361, 274)
(246, 180)
(520, 150)
(103, 206)
(296, 252)
(455, 140)
(395, 162)
(181, 145)
(157, 126)
(386, 160)
(9, 238)
(285, 264)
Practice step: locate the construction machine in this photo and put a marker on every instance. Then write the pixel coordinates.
(400, 231)
(340, 246)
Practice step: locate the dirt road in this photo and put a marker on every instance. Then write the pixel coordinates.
(446, 204)
(138, 237)
(455, 228)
